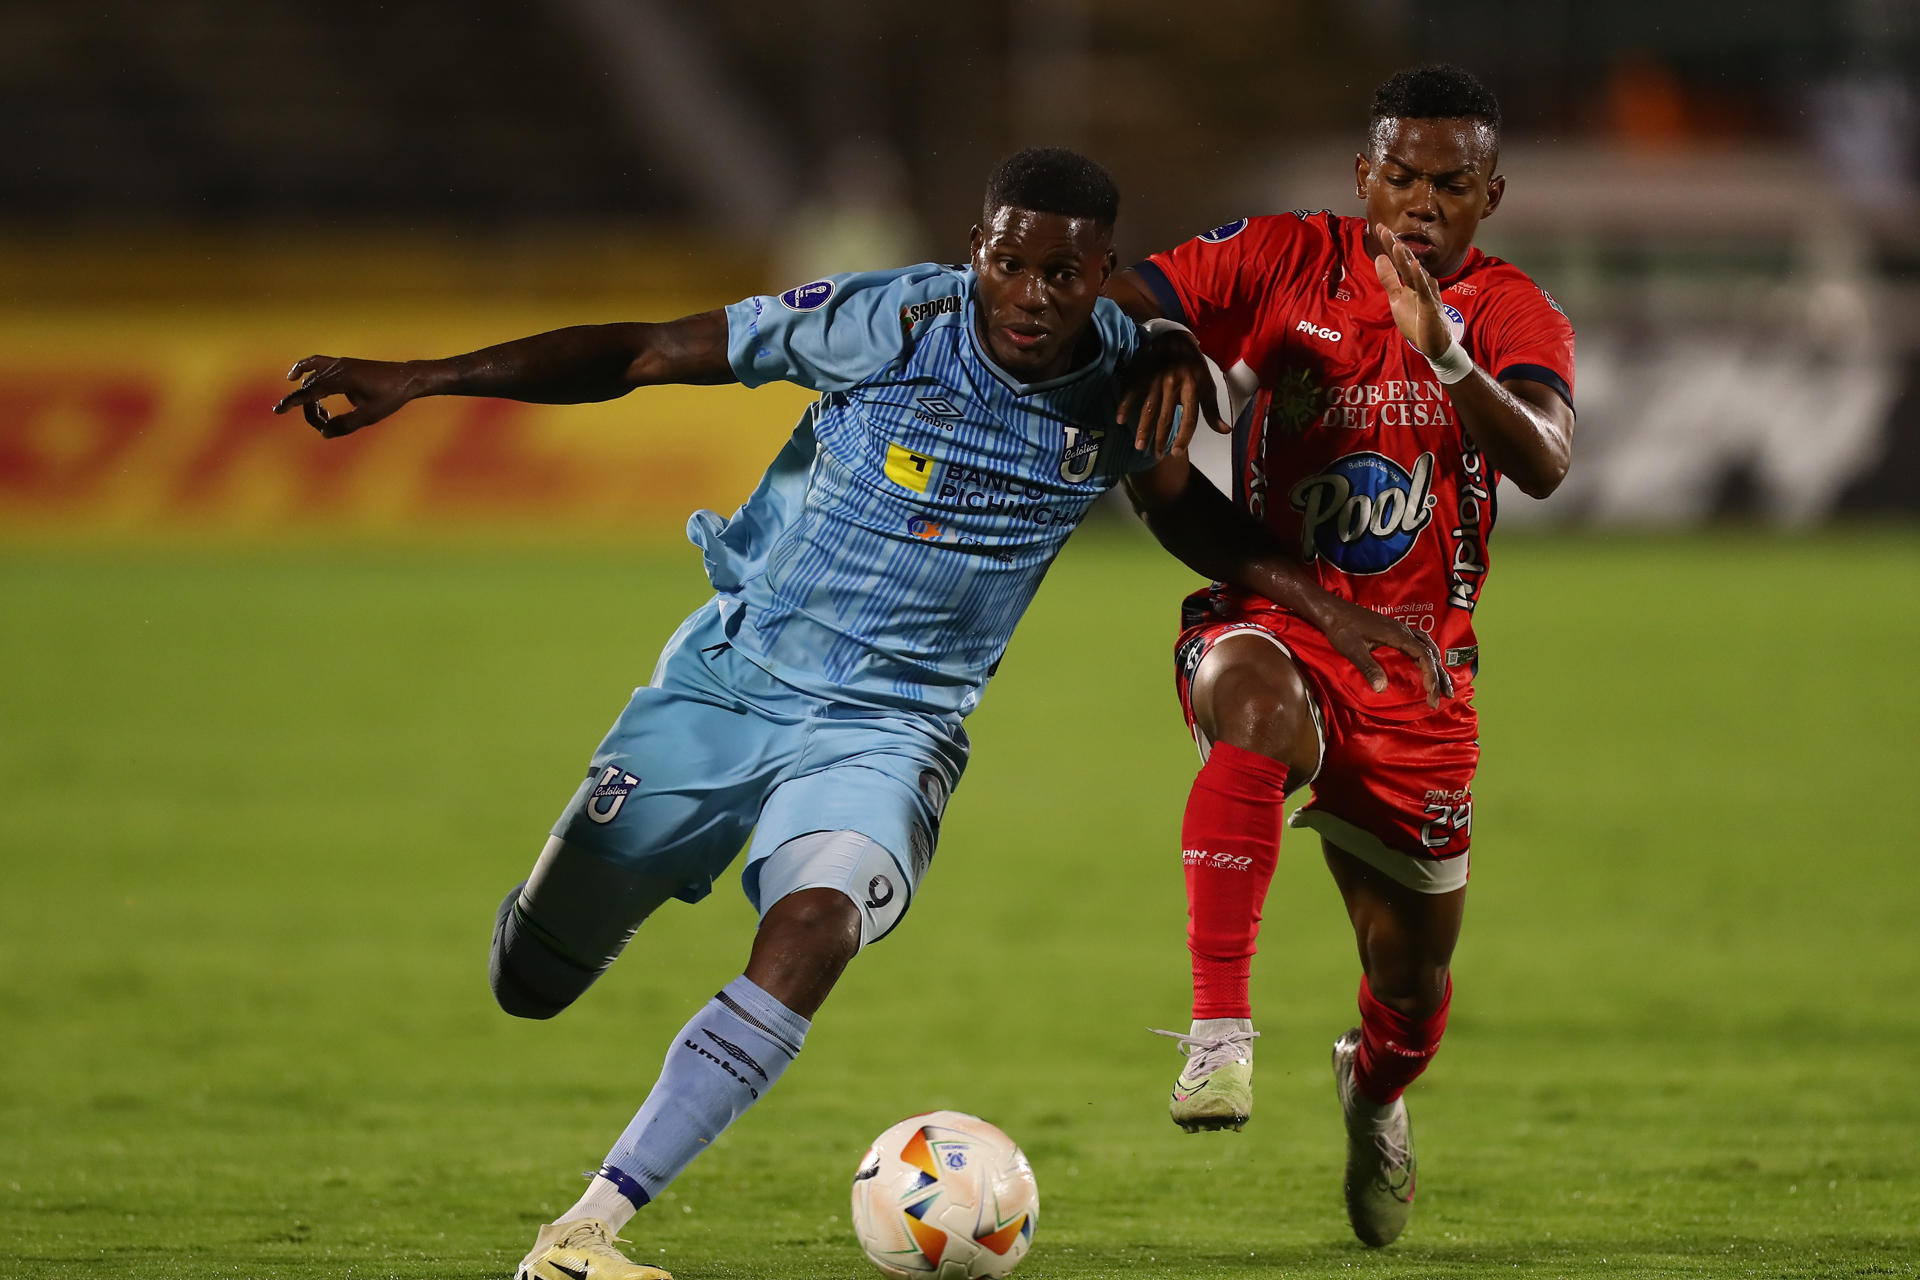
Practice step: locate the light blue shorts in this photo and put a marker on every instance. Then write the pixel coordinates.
(715, 749)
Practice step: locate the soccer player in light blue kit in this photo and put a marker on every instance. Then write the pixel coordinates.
(863, 594)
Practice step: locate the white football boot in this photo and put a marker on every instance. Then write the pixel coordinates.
(1380, 1165)
(581, 1250)
(1215, 1090)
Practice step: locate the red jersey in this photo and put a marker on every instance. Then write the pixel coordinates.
(1350, 450)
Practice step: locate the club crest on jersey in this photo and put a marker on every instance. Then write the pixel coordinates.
(1225, 231)
(807, 297)
(1297, 401)
(610, 792)
(1363, 513)
(1082, 451)
(1456, 323)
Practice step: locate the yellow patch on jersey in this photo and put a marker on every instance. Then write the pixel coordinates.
(908, 469)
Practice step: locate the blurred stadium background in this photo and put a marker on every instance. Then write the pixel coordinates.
(279, 721)
(196, 193)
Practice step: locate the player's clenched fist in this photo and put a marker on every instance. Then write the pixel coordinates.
(375, 388)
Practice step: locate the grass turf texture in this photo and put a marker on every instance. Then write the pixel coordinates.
(258, 811)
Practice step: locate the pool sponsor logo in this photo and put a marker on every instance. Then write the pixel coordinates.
(1364, 513)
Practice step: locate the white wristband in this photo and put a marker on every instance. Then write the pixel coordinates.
(1160, 324)
(1453, 364)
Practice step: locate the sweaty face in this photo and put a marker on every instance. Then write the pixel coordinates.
(1430, 182)
(1039, 276)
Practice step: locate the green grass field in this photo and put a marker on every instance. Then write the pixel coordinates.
(256, 811)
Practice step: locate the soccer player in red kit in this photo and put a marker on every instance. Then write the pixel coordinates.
(1395, 373)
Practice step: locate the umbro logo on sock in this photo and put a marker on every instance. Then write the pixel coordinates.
(735, 1052)
(723, 1064)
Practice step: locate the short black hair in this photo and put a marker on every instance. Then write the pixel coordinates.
(1053, 180)
(1437, 91)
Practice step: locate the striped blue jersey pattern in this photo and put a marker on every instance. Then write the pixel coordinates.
(900, 533)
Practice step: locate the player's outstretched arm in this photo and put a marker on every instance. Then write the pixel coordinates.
(576, 365)
(1215, 539)
(1524, 427)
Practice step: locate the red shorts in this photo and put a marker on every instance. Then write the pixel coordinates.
(1395, 782)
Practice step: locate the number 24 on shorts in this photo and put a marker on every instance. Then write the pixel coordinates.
(1444, 818)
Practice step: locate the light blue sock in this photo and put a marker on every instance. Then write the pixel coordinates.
(720, 1064)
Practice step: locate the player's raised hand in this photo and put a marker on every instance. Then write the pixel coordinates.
(1166, 375)
(1355, 631)
(1415, 296)
(375, 388)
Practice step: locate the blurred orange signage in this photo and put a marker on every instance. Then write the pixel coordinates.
(127, 423)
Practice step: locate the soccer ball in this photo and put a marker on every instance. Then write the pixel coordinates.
(944, 1195)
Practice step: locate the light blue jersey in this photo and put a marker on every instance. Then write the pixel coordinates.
(901, 532)
(812, 708)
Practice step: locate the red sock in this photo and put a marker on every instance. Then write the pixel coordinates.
(1395, 1049)
(1230, 842)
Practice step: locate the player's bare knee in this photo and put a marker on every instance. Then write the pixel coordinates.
(823, 923)
(1248, 693)
(1415, 990)
(805, 942)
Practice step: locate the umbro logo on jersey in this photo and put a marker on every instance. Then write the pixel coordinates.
(939, 411)
(1320, 331)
